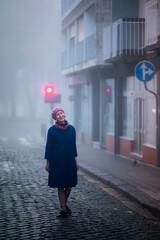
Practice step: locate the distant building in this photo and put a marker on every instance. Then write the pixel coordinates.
(102, 42)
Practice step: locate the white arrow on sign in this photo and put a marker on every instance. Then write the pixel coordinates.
(145, 71)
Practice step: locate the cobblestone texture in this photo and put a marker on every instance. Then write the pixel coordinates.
(28, 208)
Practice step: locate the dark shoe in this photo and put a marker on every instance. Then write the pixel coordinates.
(68, 210)
(62, 214)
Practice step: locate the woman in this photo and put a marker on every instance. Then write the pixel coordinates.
(61, 153)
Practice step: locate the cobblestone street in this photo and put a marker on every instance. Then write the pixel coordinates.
(28, 208)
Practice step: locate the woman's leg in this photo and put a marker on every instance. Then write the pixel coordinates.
(67, 193)
(62, 198)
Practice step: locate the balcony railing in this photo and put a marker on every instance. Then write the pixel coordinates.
(152, 15)
(124, 37)
(90, 47)
(66, 4)
(64, 59)
(80, 52)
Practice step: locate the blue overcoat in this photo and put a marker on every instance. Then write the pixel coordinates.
(61, 152)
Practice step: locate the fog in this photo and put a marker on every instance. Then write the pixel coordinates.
(30, 56)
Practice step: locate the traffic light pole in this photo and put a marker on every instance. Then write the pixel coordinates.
(51, 119)
(157, 130)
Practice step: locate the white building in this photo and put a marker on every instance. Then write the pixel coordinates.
(102, 42)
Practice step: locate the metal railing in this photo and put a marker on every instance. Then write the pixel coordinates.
(152, 22)
(124, 37)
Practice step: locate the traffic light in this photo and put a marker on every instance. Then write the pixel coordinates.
(109, 94)
(49, 94)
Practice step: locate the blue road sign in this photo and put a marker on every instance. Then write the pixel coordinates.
(144, 71)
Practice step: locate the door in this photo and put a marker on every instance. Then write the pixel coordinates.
(139, 124)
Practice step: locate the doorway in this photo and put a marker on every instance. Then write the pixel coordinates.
(139, 129)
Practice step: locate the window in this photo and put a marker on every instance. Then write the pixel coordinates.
(110, 105)
(72, 31)
(151, 15)
(80, 29)
(64, 40)
(90, 21)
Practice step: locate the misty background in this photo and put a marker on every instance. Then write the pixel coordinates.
(30, 57)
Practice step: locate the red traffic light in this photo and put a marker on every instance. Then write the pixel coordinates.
(49, 92)
(108, 90)
(109, 94)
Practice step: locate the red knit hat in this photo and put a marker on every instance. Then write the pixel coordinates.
(55, 110)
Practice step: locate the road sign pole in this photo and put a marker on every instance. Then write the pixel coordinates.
(157, 132)
(144, 71)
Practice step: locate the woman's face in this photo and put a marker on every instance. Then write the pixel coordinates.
(60, 116)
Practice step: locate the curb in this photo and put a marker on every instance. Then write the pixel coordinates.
(121, 186)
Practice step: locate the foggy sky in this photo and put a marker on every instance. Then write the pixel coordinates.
(30, 46)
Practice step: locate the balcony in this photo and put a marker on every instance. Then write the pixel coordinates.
(152, 35)
(78, 55)
(124, 38)
(68, 5)
(152, 16)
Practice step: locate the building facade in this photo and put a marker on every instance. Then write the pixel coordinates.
(102, 42)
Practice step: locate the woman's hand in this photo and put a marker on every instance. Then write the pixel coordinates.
(47, 165)
(77, 165)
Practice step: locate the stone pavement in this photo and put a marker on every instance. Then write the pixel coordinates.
(139, 182)
(28, 208)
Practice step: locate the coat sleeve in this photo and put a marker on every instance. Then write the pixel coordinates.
(49, 145)
(74, 143)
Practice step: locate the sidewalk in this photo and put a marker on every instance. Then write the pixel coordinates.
(139, 182)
